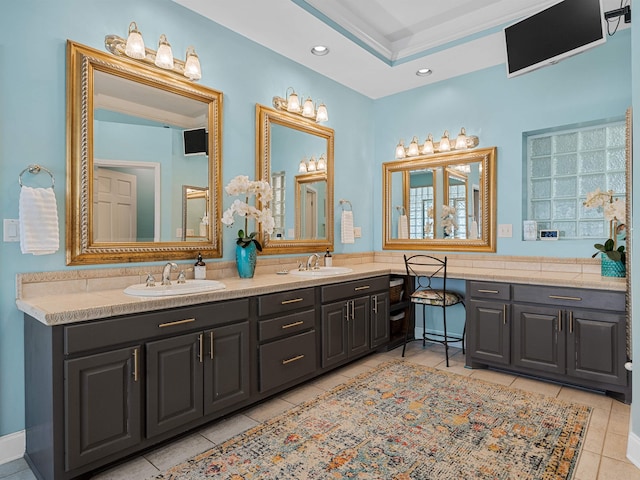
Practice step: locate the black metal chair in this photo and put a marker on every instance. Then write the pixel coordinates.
(422, 270)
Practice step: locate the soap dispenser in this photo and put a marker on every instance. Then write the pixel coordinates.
(200, 269)
(328, 259)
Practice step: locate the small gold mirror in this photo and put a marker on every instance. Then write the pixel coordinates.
(441, 202)
(295, 155)
(131, 129)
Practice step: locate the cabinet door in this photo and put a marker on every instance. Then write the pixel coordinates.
(596, 346)
(226, 367)
(358, 324)
(174, 382)
(334, 333)
(102, 406)
(539, 338)
(380, 326)
(489, 336)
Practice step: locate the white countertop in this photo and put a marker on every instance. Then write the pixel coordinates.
(59, 307)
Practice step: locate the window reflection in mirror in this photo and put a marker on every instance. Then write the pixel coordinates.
(441, 202)
(195, 213)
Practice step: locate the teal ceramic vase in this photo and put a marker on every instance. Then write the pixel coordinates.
(611, 268)
(246, 260)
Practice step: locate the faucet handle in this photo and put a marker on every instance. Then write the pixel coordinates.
(181, 277)
(151, 281)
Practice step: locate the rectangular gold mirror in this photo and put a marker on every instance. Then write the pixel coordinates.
(128, 159)
(441, 202)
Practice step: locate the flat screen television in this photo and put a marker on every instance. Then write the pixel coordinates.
(553, 34)
(195, 142)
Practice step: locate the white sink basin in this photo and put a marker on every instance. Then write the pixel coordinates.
(192, 286)
(322, 272)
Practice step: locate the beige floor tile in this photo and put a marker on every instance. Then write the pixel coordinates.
(619, 407)
(537, 386)
(494, 377)
(599, 418)
(428, 358)
(302, 394)
(457, 366)
(611, 469)
(223, 430)
(136, 468)
(269, 409)
(583, 397)
(351, 371)
(329, 381)
(619, 423)
(615, 446)
(587, 468)
(178, 451)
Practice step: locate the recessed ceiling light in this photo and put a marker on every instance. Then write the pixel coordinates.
(423, 72)
(320, 50)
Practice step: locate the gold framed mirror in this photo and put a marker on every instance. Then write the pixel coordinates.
(130, 133)
(441, 202)
(302, 204)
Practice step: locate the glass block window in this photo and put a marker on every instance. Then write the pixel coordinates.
(420, 202)
(458, 200)
(563, 166)
(277, 203)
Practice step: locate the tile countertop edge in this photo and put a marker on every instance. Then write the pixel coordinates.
(54, 309)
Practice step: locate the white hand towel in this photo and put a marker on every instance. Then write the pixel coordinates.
(346, 227)
(403, 227)
(39, 233)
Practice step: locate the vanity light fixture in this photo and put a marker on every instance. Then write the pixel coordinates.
(133, 47)
(429, 147)
(291, 103)
(313, 165)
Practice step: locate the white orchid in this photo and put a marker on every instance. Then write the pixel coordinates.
(241, 185)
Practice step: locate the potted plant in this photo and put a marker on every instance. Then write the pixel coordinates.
(247, 243)
(613, 256)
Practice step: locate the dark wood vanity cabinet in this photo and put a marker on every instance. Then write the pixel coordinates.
(351, 311)
(572, 335)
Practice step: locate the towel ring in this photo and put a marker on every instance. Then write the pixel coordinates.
(35, 169)
(401, 209)
(342, 202)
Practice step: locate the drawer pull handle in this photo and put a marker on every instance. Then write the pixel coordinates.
(562, 297)
(488, 291)
(364, 287)
(299, 357)
(374, 299)
(570, 322)
(177, 322)
(211, 341)
(200, 347)
(294, 300)
(504, 314)
(135, 365)
(294, 324)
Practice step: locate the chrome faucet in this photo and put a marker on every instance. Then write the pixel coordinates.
(313, 258)
(166, 272)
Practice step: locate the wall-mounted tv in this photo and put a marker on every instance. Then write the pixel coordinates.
(553, 34)
(195, 142)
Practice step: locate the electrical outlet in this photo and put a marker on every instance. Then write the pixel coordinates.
(505, 230)
(11, 230)
(357, 232)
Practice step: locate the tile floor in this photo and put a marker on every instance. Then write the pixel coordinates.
(603, 456)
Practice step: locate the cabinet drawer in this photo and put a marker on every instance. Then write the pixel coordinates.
(286, 325)
(570, 297)
(132, 328)
(287, 359)
(286, 301)
(340, 291)
(495, 290)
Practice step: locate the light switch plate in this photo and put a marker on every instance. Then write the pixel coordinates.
(357, 232)
(505, 230)
(11, 230)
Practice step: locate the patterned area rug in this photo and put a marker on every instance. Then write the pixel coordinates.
(405, 421)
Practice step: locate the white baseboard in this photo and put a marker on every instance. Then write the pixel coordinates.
(633, 449)
(12, 446)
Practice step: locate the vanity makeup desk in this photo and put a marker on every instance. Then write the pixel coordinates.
(108, 375)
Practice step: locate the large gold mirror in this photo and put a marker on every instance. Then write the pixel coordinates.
(441, 202)
(136, 135)
(295, 155)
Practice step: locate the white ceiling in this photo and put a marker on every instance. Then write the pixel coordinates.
(376, 46)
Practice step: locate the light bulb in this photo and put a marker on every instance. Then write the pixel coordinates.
(293, 103)
(427, 148)
(445, 145)
(308, 110)
(164, 56)
(461, 140)
(322, 115)
(400, 151)
(413, 150)
(135, 44)
(192, 65)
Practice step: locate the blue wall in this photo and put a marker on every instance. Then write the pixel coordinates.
(591, 86)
